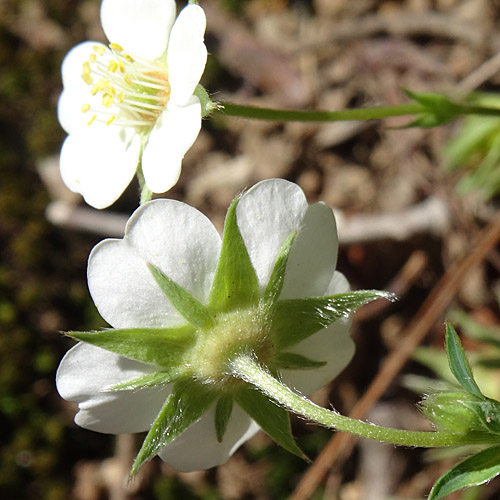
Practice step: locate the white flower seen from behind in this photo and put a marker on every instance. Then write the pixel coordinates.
(184, 305)
(132, 103)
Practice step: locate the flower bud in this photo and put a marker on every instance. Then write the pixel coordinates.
(460, 413)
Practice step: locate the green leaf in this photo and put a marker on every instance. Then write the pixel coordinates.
(275, 284)
(187, 403)
(155, 346)
(292, 361)
(296, 319)
(459, 364)
(187, 305)
(273, 419)
(235, 284)
(223, 411)
(155, 379)
(440, 109)
(475, 470)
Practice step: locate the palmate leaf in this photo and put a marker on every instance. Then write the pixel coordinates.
(273, 419)
(235, 283)
(475, 470)
(296, 319)
(162, 347)
(458, 363)
(187, 305)
(187, 403)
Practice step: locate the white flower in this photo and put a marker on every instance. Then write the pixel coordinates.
(132, 99)
(179, 242)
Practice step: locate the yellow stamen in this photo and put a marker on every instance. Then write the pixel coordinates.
(112, 66)
(85, 108)
(92, 120)
(111, 120)
(115, 46)
(130, 59)
(99, 49)
(107, 100)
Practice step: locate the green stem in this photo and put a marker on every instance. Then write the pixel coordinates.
(146, 194)
(377, 112)
(248, 369)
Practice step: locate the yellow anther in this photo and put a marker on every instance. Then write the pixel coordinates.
(127, 80)
(115, 46)
(85, 108)
(107, 100)
(130, 59)
(86, 76)
(121, 65)
(92, 120)
(99, 49)
(111, 120)
(92, 57)
(120, 97)
(112, 66)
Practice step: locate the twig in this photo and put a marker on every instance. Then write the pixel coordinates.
(440, 297)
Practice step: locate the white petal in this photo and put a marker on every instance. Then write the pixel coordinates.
(313, 256)
(141, 27)
(187, 54)
(333, 345)
(197, 448)
(76, 92)
(174, 133)
(266, 215)
(86, 372)
(173, 236)
(99, 162)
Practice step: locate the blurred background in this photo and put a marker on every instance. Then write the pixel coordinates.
(409, 203)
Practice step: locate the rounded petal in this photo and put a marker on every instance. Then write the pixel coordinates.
(313, 256)
(171, 235)
(76, 92)
(99, 162)
(187, 54)
(174, 133)
(333, 345)
(197, 448)
(84, 375)
(141, 28)
(267, 214)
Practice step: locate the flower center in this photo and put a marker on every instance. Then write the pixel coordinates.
(133, 91)
(236, 332)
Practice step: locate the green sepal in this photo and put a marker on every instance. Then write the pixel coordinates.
(275, 284)
(155, 379)
(274, 420)
(296, 319)
(458, 363)
(475, 470)
(207, 105)
(223, 410)
(187, 403)
(163, 347)
(292, 361)
(235, 283)
(188, 306)
(438, 109)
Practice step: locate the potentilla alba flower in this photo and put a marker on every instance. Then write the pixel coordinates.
(184, 305)
(132, 99)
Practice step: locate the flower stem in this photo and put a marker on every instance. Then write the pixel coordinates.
(376, 112)
(248, 369)
(146, 194)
